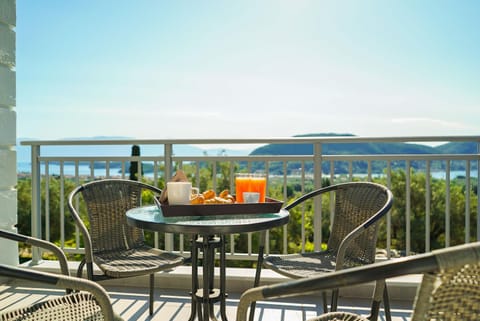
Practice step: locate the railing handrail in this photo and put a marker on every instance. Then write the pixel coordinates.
(234, 141)
(263, 157)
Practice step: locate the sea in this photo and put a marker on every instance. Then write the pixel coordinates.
(69, 170)
(84, 170)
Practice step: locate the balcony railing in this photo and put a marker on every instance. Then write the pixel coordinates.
(312, 170)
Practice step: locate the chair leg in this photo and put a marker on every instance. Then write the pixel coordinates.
(256, 282)
(386, 304)
(375, 308)
(333, 306)
(152, 285)
(324, 299)
(378, 292)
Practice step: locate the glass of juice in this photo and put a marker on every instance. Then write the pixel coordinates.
(258, 183)
(242, 184)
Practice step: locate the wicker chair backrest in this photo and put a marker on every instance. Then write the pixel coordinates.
(355, 204)
(107, 202)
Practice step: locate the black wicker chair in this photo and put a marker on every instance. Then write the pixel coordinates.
(450, 288)
(357, 209)
(90, 302)
(115, 247)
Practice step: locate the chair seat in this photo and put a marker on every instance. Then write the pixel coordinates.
(77, 306)
(135, 262)
(309, 264)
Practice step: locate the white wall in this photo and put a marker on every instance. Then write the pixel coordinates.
(8, 167)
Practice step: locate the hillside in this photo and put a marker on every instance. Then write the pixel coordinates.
(363, 148)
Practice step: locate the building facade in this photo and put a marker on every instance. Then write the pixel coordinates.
(8, 167)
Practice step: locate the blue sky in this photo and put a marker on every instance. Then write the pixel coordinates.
(241, 69)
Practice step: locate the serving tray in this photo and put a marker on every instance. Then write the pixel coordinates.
(270, 206)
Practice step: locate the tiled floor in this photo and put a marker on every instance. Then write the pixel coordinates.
(132, 304)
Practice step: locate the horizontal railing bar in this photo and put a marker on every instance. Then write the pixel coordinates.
(254, 158)
(98, 158)
(390, 157)
(235, 141)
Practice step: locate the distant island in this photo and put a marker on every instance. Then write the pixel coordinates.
(368, 149)
(363, 148)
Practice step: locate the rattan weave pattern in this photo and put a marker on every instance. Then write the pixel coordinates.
(339, 316)
(107, 202)
(354, 205)
(308, 264)
(77, 306)
(135, 262)
(450, 295)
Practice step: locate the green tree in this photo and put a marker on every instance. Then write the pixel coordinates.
(438, 198)
(24, 188)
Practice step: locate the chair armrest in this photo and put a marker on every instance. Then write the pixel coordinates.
(356, 275)
(310, 195)
(62, 259)
(63, 282)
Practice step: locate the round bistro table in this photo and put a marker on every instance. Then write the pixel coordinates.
(208, 233)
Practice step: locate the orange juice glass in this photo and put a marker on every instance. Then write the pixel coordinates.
(242, 184)
(259, 184)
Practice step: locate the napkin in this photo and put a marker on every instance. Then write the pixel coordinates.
(178, 177)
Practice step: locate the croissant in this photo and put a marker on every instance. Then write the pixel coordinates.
(210, 197)
(209, 194)
(197, 199)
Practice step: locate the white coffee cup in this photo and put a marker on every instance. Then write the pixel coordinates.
(179, 193)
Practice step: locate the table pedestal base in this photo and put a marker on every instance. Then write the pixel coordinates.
(203, 299)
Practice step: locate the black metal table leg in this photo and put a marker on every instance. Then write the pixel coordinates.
(203, 299)
(223, 273)
(207, 286)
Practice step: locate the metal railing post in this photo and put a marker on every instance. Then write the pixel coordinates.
(168, 152)
(408, 208)
(447, 204)
(389, 214)
(317, 177)
(478, 189)
(467, 202)
(428, 206)
(36, 219)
